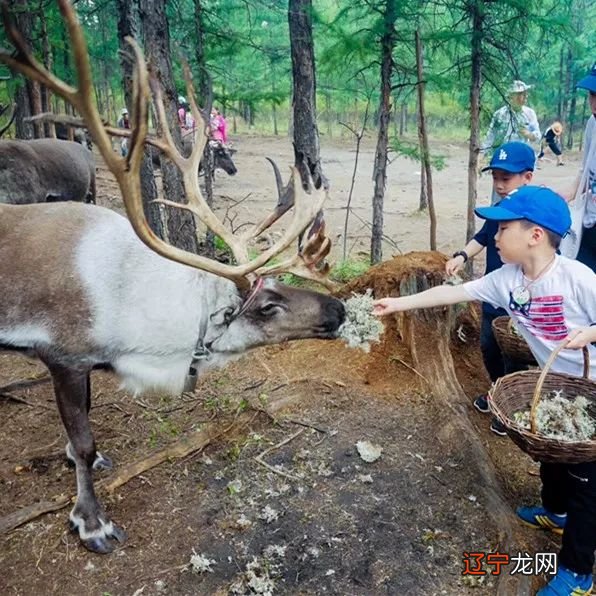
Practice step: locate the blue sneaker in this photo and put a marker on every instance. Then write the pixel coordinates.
(539, 517)
(567, 583)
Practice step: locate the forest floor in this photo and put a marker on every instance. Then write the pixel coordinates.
(318, 520)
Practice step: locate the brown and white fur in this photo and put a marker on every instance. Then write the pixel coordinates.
(79, 290)
(46, 170)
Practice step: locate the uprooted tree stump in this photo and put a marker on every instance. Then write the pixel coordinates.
(427, 334)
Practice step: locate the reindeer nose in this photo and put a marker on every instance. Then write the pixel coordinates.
(335, 314)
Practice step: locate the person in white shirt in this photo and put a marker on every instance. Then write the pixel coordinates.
(552, 299)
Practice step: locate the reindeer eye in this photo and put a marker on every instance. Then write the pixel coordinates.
(269, 309)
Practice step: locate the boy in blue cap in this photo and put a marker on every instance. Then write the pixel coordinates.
(511, 166)
(552, 299)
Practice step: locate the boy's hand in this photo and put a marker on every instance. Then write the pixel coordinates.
(385, 306)
(452, 266)
(581, 337)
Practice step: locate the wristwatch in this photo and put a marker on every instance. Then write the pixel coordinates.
(461, 253)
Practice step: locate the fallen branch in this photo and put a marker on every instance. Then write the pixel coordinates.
(20, 400)
(411, 368)
(185, 446)
(259, 458)
(39, 379)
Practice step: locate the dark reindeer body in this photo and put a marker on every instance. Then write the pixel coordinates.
(45, 170)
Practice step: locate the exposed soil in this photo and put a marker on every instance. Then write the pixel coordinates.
(339, 525)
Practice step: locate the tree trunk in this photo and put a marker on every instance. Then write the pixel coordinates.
(424, 149)
(23, 109)
(477, 17)
(181, 229)
(205, 99)
(306, 135)
(128, 25)
(46, 95)
(380, 167)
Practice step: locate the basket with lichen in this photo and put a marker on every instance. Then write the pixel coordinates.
(511, 342)
(551, 416)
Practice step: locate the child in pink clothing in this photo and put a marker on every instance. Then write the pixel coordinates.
(219, 127)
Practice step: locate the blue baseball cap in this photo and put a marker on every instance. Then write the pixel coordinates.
(537, 204)
(514, 157)
(589, 81)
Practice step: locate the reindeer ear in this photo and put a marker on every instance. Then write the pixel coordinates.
(223, 316)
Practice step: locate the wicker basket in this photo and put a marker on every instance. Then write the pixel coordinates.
(511, 343)
(522, 390)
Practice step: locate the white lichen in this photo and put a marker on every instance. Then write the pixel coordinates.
(256, 579)
(560, 418)
(368, 452)
(361, 327)
(200, 563)
(269, 514)
(275, 551)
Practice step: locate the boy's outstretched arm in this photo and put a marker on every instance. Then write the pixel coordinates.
(438, 296)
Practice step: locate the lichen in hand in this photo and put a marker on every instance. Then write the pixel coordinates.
(361, 327)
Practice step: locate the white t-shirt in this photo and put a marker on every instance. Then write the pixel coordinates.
(589, 163)
(562, 300)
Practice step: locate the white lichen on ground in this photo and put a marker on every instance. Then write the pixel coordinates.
(269, 514)
(361, 327)
(256, 579)
(200, 563)
(560, 418)
(368, 452)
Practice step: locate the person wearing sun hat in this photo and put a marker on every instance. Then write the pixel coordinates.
(584, 188)
(552, 138)
(515, 121)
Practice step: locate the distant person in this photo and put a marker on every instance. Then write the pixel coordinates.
(514, 121)
(219, 126)
(584, 188)
(552, 139)
(124, 122)
(512, 166)
(185, 119)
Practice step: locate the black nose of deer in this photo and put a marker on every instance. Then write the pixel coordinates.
(335, 314)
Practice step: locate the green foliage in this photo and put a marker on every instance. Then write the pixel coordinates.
(347, 270)
(411, 150)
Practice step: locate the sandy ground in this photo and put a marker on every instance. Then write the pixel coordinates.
(404, 224)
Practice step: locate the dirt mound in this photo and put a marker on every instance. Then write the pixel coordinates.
(390, 361)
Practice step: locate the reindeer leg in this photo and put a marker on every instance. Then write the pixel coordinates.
(87, 516)
(101, 462)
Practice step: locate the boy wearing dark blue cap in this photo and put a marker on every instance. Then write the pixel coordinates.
(511, 166)
(552, 299)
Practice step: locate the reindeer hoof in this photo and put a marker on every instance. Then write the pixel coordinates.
(100, 541)
(102, 462)
(102, 546)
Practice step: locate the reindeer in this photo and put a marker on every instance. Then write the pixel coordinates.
(103, 295)
(222, 156)
(45, 170)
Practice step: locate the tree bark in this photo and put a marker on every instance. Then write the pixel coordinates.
(181, 229)
(24, 23)
(476, 11)
(128, 26)
(424, 148)
(380, 167)
(306, 135)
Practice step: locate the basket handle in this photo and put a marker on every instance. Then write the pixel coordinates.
(545, 370)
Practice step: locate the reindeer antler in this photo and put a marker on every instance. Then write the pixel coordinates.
(127, 169)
